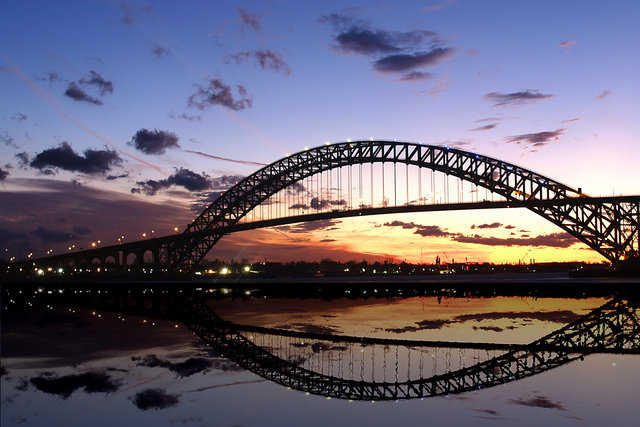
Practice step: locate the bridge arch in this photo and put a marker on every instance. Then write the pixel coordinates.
(510, 181)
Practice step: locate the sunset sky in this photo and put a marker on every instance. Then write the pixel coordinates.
(119, 118)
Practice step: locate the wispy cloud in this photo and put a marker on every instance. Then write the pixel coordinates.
(534, 140)
(603, 95)
(571, 120)
(250, 19)
(567, 43)
(78, 90)
(160, 51)
(131, 12)
(267, 59)
(485, 127)
(216, 92)
(438, 6)
(226, 159)
(515, 98)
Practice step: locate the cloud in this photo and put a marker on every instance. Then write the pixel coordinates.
(250, 19)
(438, 6)
(485, 127)
(409, 61)
(132, 12)
(3, 174)
(52, 236)
(63, 157)
(19, 117)
(538, 401)
(154, 398)
(392, 51)
(78, 90)
(603, 95)
(554, 240)
(325, 203)
(216, 92)
(422, 230)
(112, 177)
(185, 178)
(97, 80)
(74, 92)
(191, 366)
(473, 52)
(160, 51)
(567, 43)
(91, 382)
(571, 120)
(538, 139)
(485, 226)
(267, 59)
(8, 139)
(7, 236)
(416, 76)
(515, 98)
(306, 227)
(155, 141)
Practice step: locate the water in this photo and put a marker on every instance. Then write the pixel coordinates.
(127, 357)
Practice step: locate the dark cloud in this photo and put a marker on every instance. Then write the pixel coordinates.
(7, 236)
(509, 227)
(51, 77)
(327, 240)
(189, 367)
(52, 236)
(416, 76)
(19, 117)
(311, 328)
(250, 19)
(556, 316)
(531, 140)
(185, 116)
(554, 240)
(538, 401)
(91, 382)
(160, 51)
(63, 157)
(515, 98)
(392, 51)
(185, 178)
(112, 177)
(78, 90)
(23, 159)
(154, 398)
(485, 127)
(216, 92)
(422, 230)
(97, 80)
(154, 141)
(322, 204)
(74, 92)
(485, 226)
(80, 230)
(3, 174)
(422, 325)
(408, 61)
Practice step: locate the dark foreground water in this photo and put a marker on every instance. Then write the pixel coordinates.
(77, 356)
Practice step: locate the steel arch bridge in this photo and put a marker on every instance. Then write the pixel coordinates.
(609, 225)
(610, 228)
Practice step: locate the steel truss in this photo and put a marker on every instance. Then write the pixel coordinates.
(611, 228)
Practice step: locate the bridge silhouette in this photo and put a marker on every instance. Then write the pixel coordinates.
(366, 368)
(359, 178)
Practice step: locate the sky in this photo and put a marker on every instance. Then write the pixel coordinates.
(123, 118)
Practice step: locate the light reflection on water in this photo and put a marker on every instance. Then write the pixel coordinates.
(76, 366)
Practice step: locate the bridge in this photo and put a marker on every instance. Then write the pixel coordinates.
(363, 368)
(357, 178)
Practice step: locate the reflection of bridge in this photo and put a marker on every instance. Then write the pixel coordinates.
(363, 178)
(376, 369)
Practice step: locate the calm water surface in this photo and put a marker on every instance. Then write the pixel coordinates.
(65, 362)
